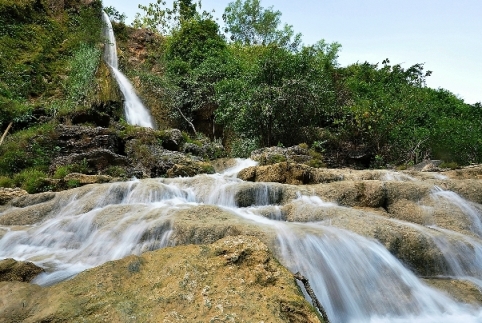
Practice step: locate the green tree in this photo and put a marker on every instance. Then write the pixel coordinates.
(277, 95)
(195, 58)
(249, 23)
(158, 17)
(115, 15)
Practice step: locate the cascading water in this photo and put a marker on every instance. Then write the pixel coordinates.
(355, 278)
(136, 112)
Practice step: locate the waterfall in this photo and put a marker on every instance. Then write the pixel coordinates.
(355, 278)
(136, 112)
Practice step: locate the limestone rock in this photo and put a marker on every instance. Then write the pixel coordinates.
(273, 155)
(95, 160)
(80, 139)
(88, 179)
(234, 279)
(12, 270)
(8, 194)
(284, 172)
(190, 169)
(172, 139)
(461, 290)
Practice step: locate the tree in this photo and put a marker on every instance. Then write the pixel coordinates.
(195, 58)
(158, 17)
(251, 24)
(277, 94)
(115, 15)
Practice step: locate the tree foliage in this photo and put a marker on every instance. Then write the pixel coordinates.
(264, 88)
(250, 24)
(285, 91)
(158, 17)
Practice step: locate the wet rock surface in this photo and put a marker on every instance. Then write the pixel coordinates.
(13, 270)
(234, 279)
(461, 290)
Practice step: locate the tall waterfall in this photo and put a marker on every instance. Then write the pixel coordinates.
(355, 278)
(136, 112)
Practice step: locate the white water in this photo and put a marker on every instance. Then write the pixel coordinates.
(136, 112)
(355, 278)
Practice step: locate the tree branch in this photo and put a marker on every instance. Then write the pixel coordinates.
(310, 292)
(187, 120)
(5, 133)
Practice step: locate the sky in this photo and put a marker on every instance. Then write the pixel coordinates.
(445, 35)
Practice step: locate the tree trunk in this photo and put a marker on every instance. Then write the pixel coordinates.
(310, 292)
(5, 133)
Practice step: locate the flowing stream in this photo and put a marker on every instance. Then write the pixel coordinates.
(355, 278)
(136, 112)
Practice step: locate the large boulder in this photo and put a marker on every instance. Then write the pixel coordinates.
(8, 194)
(273, 155)
(233, 279)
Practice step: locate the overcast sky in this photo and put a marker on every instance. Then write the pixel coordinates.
(446, 35)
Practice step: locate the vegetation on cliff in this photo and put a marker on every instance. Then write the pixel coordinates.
(256, 85)
(250, 84)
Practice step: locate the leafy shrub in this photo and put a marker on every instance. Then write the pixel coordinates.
(32, 147)
(242, 147)
(32, 180)
(116, 171)
(61, 172)
(6, 182)
(316, 160)
(73, 183)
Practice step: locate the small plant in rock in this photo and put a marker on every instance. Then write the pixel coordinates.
(304, 146)
(242, 147)
(378, 162)
(319, 146)
(451, 165)
(62, 171)
(116, 171)
(316, 160)
(73, 183)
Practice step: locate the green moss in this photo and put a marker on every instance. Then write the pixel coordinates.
(274, 159)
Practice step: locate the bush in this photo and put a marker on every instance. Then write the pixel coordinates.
(116, 171)
(316, 159)
(242, 147)
(32, 180)
(61, 172)
(6, 182)
(73, 183)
